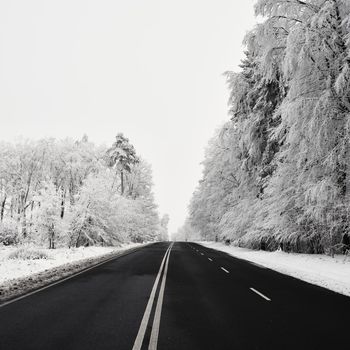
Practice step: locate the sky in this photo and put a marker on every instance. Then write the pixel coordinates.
(152, 69)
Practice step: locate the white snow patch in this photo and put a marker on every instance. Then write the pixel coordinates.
(15, 268)
(321, 270)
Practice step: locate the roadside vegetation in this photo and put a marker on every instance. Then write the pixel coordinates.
(65, 193)
(276, 175)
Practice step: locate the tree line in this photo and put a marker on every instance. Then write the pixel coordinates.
(277, 173)
(74, 193)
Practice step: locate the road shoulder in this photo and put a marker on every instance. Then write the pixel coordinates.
(317, 269)
(18, 287)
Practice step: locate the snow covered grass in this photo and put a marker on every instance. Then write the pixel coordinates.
(27, 254)
(321, 270)
(24, 269)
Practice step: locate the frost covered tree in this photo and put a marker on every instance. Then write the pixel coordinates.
(163, 231)
(288, 135)
(56, 193)
(187, 232)
(310, 184)
(47, 224)
(122, 156)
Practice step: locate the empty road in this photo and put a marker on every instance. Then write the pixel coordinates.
(177, 296)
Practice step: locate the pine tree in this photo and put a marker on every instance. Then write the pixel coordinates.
(122, 155)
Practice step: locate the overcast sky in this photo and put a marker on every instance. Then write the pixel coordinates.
(151, 69)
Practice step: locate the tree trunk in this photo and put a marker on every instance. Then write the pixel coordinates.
(52, 236)
(24, 224)
(122, 181)
(11, 208)
(31, 217)
(2, 209)
(63, 200)
(78, 239)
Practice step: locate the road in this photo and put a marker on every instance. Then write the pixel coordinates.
(177, 296)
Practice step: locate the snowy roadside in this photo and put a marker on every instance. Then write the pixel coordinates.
(21, 276)
(321, 270)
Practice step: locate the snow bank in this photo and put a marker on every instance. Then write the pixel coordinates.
(321, 270)
(20, 276)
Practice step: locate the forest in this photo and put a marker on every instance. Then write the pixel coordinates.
(66, 193)
(276, 174)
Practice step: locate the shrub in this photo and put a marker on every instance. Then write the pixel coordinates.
(8, 233)
(28, 254)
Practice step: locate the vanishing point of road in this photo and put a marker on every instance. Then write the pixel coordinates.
(177, 296)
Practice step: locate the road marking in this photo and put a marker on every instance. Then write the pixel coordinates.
(128, 251)
(210, 259)
(146, 315)
(261, 294)
(202, 254)
(156, 322)
(222, 268)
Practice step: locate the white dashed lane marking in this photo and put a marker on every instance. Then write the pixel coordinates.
(261, 294)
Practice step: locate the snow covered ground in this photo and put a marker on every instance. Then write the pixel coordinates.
(321, 270)
(18, 276)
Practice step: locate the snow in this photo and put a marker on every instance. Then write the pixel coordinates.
(321, 270)
(20, 276)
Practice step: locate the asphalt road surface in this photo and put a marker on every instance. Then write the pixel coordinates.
(177, 296)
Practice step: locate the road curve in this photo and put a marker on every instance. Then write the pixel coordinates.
(177, 296)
